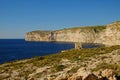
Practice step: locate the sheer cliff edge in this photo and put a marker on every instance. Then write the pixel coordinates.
(107, 35)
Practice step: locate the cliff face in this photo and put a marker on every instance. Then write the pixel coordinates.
(78, 35)
(68, 35)
(38, 36)
(109, 35)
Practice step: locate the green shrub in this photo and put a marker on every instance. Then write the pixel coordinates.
(103, 66)
(74, 69)
(59, 67)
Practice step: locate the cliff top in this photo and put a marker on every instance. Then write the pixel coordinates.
(95, 28)
(114, 26)
(41, 31)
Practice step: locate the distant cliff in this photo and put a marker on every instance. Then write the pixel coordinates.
(84, 34)
(108, 35)
(38, 36)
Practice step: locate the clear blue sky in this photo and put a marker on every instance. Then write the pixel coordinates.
(20, 16)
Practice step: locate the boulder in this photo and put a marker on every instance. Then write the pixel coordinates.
(81, 74)
(63, 76)
(108, 73)
(91, 77)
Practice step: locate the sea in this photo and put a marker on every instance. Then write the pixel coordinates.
(17, 49)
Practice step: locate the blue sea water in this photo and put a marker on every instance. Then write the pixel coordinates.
(16, 49)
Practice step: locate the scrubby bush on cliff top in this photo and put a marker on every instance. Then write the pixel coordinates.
(95, 28)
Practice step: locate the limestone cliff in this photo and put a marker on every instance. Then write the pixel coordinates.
(109, 35)
(78, 35)
(84, 35)
(38, 36)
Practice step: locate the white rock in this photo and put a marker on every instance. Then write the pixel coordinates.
(108, 73)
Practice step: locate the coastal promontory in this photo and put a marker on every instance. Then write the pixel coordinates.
(107, 35)
(99, 63)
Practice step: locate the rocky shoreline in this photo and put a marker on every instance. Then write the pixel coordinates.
(98, 64)
(85, 72)
(101, 63)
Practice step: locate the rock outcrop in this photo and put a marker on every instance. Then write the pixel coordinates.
(103, 66)
(86, 73)
(38, 36)
(111, 35)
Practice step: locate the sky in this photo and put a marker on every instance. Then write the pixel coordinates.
(17, 17)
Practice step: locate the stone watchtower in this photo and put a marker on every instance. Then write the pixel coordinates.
(78, 45)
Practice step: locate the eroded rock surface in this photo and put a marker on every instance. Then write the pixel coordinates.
(109, 36)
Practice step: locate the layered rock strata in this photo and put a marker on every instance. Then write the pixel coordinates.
(109, 35)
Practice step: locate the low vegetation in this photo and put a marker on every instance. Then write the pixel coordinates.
(72, 54)
(26, 67)
(95, 28)
(58, 67)
(104, 65)
(91, 28)
(42, 33)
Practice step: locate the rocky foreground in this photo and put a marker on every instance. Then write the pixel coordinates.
(85, 64)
